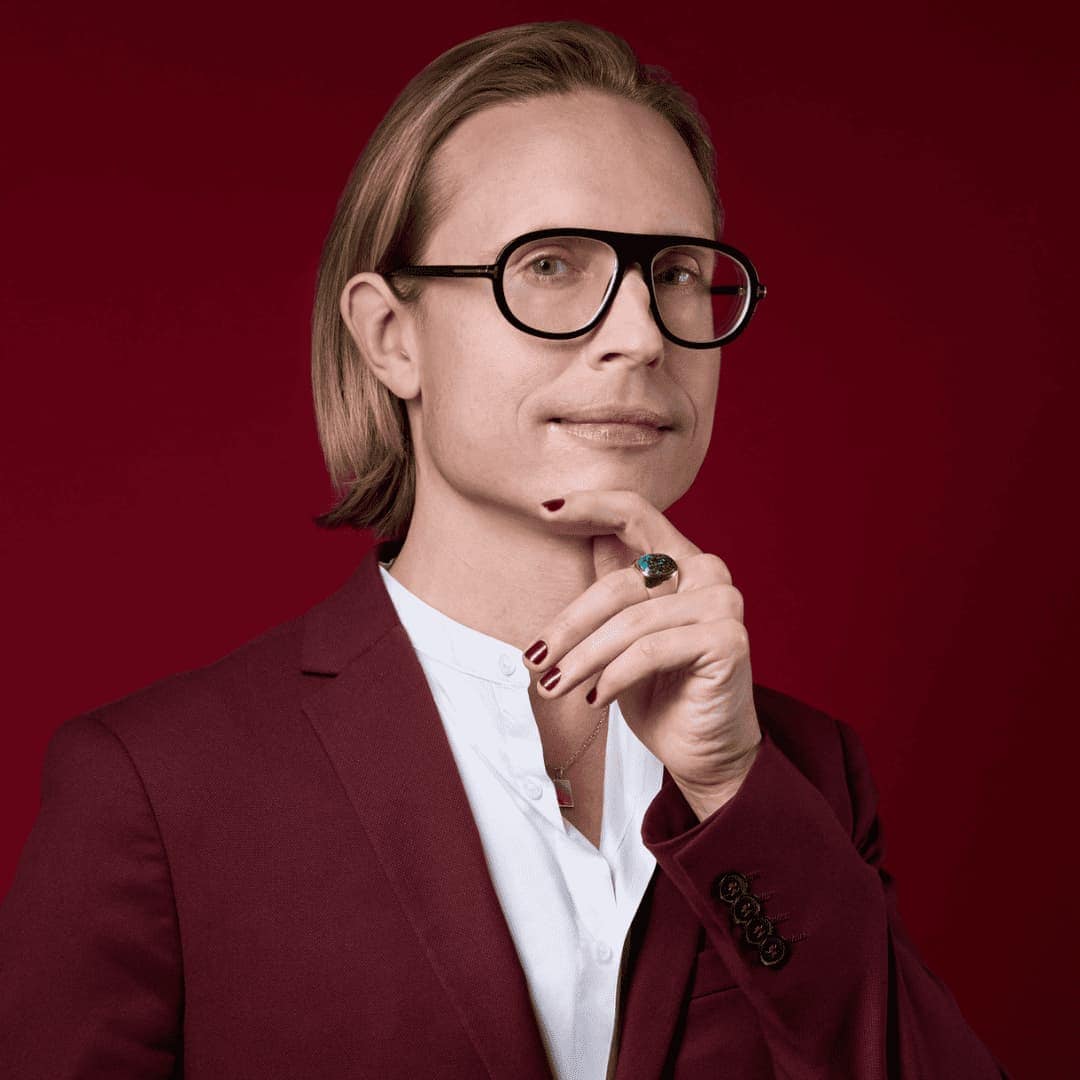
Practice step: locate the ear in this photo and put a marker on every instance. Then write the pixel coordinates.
(382, 325)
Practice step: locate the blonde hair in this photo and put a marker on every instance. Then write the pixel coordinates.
(386, 211)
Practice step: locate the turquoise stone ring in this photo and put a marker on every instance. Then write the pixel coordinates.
(656, 568)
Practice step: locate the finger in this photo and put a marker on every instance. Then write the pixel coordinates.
(628, 515)
(581, 646)
(713, 649)
(607, 596)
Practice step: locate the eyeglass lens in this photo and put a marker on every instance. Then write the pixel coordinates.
(558, 284)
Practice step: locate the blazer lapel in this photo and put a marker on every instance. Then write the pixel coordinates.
(382, 731)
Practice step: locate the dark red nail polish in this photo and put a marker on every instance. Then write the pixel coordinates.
(550, 678)
(536, 651)
(552, 504)
(590, 697)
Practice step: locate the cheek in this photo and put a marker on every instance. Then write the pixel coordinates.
(705, 414)
(698, 379)
(476, 375)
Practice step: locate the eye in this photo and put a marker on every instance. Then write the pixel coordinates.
(548, 266)
(559, 262)
(677, 275)
(685, 269)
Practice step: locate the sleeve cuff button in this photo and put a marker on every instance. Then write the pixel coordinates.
(744, 909)
(773, 951)
(732, 885)
(757, 930)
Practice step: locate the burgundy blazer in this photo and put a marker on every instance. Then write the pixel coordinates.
(268, 868)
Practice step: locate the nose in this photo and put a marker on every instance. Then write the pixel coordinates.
(628, 328)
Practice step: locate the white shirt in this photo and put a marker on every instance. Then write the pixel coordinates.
(568, 905)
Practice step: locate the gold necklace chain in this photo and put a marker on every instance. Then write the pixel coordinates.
(560, 770)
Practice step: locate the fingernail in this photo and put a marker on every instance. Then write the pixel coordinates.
(536, 651)
(550, 678)
(552, 504)
(590, 697)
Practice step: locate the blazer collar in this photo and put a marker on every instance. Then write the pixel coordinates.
(381, 729)
(349, 621)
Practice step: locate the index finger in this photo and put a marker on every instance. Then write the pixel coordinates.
(626, 515)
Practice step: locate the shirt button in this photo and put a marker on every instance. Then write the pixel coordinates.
(602, 951)
(506, 664)
(533, 788)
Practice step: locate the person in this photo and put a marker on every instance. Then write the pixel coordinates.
(509, 803)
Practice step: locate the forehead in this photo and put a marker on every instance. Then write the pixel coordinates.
(586, 159)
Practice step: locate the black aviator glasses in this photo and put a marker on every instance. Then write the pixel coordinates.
(559, 283)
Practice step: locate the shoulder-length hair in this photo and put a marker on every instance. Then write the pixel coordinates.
(385, 214)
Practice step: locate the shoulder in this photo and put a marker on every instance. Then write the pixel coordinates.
(195, 707)
(270, 671)
(251, 691)
(248, 701)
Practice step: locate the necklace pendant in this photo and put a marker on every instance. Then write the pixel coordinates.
(564, 794)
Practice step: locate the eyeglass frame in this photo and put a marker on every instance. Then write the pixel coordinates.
(630, 249)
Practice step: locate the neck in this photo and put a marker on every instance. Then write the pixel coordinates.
(501, 573)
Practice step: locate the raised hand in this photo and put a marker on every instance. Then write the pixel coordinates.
(676, 656)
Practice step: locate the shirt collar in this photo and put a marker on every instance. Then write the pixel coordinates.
(441, 638)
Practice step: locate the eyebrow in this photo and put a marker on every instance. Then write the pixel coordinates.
(489, 254)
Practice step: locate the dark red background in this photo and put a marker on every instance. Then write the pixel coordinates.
(892, 473)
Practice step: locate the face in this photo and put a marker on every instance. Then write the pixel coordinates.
(485, 421)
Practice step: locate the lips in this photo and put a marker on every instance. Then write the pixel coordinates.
(608, 415)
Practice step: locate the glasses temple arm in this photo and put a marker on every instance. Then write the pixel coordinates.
(734, 290)
(445, 271)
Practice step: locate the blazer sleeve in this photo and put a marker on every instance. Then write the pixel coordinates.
(836, 982)
(90, 972)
